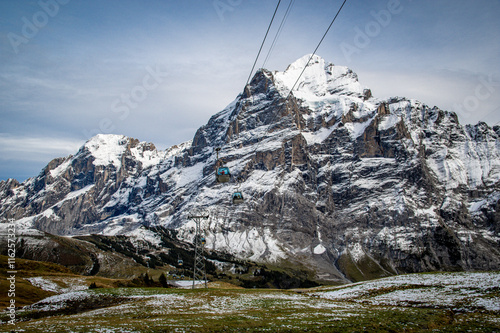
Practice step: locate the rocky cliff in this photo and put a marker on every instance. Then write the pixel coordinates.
(334, 179)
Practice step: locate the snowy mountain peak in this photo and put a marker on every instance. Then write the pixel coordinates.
(107, 148)
(321, 80)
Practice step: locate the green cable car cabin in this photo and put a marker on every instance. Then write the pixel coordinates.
(238, 198)
(223, 175)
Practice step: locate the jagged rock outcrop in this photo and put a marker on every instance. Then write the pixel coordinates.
(71, 193)
(334, 179)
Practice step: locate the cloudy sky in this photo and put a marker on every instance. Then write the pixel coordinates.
(157, 70)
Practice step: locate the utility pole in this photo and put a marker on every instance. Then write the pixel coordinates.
(199, 271)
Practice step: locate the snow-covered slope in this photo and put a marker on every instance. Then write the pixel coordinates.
(334, 179)
(464, 292)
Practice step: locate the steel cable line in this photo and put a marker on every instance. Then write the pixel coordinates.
(307, 64)
(316, 49)
(280, 28)
(258, 54)
(298, 78)
(260, 50)
(246, 84)
(263, 41)
(261, 46)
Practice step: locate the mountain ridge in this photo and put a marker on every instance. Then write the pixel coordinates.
(350, 185)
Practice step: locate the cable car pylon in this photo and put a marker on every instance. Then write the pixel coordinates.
(199, 270)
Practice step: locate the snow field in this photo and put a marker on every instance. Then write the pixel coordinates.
(461, 291)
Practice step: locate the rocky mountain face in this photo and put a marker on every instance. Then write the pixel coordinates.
(334, 179)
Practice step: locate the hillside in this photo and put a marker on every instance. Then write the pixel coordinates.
(452, 302)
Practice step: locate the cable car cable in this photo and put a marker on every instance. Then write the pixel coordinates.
(224, 177)
(278, 33)
(258, 54)
(310, 58)
(307, 64)
(298, 78)
(316, 49)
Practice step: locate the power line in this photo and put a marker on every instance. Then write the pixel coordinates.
(263, 41)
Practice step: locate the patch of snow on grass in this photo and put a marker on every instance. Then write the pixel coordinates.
(58, 301)
(44, 284)
(70, 284)
(465, 290)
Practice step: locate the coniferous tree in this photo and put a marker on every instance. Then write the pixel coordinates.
(163, 280)
(147, 280)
